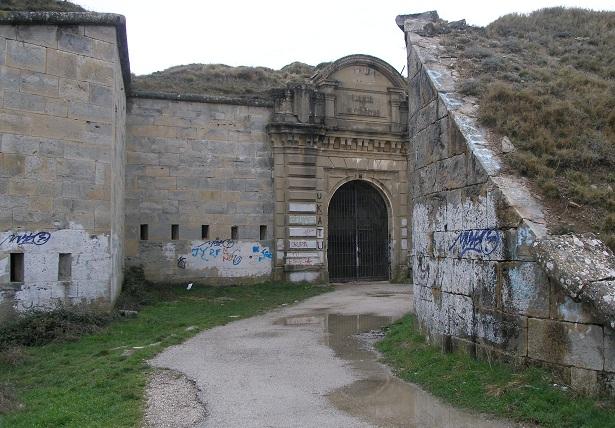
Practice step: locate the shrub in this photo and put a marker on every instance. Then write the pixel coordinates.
(135, 290)
(40, 327)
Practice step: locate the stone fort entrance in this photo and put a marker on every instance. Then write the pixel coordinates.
(358, 236)
(340, 174)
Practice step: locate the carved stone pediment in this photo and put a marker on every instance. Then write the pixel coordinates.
(356, 93)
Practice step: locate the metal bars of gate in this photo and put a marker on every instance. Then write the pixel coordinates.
(358, 244)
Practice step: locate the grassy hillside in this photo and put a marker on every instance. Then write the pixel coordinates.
(547, 81)
(220, 79)
(40, 5)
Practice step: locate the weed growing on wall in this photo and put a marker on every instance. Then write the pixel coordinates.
(547, 81)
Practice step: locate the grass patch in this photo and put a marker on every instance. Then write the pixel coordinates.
(224, 80)
(546, 80)
(99, 379)
(523, 394)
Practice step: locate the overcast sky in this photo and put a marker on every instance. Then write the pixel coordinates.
(271, 33)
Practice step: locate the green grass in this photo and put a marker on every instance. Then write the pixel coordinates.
(220, 79)
(547, 81)
(89, 383)
(523, 394)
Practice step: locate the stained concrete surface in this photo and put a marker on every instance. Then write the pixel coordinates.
(307, 365)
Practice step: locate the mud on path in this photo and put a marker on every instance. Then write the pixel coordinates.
(306, 365)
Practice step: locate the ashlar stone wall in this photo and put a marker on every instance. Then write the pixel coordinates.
(62, 116)
(205, 167)
(477, 285)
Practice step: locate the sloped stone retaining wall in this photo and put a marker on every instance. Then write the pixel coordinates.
(477, 284)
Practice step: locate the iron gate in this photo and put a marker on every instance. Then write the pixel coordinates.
(358, 241)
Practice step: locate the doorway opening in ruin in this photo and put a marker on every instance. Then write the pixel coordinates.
(358, 238)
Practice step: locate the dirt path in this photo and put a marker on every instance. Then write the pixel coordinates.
(307, 365)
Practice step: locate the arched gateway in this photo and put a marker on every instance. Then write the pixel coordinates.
(358, 238)
(339, 148)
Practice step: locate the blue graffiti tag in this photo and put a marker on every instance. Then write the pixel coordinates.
(39, 238)
(261, 252)
(482, 241)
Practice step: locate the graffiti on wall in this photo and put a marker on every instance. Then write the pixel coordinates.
(480, 241)
(27, 238)
(229, 251)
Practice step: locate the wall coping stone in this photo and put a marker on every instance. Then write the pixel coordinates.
(584, 267)
(78, 18)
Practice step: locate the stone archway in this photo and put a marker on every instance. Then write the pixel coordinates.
(358, 241)
(348, 123)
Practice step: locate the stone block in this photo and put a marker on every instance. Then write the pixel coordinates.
(450, 173)
(103, 50)
(95, 152)
(20, 144)
(474, 214)
(56, 107)
(41, 203)
(25, 56)
(13, 165)
(76, 169)
(486, 290)
(157, 171)
(23, 101)
(62, 64)
(43, 35)
(475, 173)
(39, 84)
(23, 186)
(460, 315)
(51, 148)
(100, 95)
(584, 381)
(609, 349)
(106, 34)
(564, 308)
(2, 51)
(579, 345)
(424, 118)
(74, 90)
(507, 333)
(102, 216)
(463, 276)
(10, 78)
(69, 40)
(94, 70)
(139, 158)
(91, 112)
(524, 289)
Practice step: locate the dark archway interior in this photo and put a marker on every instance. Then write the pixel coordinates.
(358, 241)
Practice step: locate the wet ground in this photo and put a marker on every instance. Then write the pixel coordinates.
(306, 365)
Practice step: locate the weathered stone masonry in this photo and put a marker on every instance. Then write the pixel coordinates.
(62, 122)
(199, 165)
(477, 282)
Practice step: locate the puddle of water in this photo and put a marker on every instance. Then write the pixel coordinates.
(380, 398)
